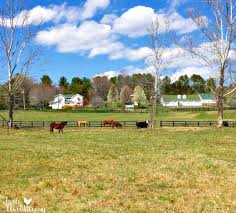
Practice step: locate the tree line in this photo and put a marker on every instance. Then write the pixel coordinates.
(121, 89)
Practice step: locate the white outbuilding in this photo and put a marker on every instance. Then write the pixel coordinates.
(71, 100)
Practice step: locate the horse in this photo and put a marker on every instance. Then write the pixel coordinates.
(142, 124)
(83, 123)
(57, 125)
(116, 124)
(107, 122)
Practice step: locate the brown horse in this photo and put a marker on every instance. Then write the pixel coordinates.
(107, 122)
(116, 124)
(58, 125)
(83, 123)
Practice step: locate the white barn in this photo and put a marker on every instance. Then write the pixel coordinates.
(71, 100)
(188, 100)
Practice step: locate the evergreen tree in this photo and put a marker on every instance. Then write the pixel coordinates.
(166, 87)
(63, 83)
(197, 83)
(46, 80)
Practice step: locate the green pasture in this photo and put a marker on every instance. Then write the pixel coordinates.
(92, 116)
(119, 170)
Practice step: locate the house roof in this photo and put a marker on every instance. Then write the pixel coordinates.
(69, 95)
(207, 96)
(174, 98)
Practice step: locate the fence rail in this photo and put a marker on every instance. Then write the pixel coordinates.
(32, 124)
(194, 123)
(41, 124)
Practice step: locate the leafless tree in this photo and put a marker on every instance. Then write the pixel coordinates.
(160, 40)
(214, 47)
(101, 85)
(40, 95)
(16, 50)
(125, 95)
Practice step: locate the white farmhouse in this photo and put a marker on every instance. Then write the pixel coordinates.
(70, 100)
(188, 100)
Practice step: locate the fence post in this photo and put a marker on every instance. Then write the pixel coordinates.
(160, 123)
(32, 123)
(173, 124)
(43, 123)
(198, 124)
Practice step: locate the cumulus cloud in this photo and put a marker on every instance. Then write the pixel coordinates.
(108, 19)
(91, 6)
(91, 38)
(136, 21)
(189, 71)
(72, 38)
(128, 70)
(57, 13)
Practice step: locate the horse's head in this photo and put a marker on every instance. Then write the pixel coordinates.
(65, 123)
(147, 121)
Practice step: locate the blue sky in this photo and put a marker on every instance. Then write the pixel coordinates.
(90, 37)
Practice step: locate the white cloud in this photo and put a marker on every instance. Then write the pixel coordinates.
(128, 70)
(189, 71)
(72, 38)
(54, 13)
(91, 38)
(136, 21)
(91, 6)
(131, 54)
(108, 18)
(57, 13)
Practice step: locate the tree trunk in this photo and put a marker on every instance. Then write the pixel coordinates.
(220, 101)
(153, 121)
(10, 110)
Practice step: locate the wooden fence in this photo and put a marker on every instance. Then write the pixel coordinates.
(40, 124)
(193, 123)
(32, 124)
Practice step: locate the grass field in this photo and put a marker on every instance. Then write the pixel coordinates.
(123, 170)
(51, 116)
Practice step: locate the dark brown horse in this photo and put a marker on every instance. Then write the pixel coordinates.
(58, 125)
(107, 122)
(116, 124)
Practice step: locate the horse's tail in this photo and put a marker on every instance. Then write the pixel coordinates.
(51, 127)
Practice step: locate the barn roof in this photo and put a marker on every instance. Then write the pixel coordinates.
(174, 98)
(207, 96)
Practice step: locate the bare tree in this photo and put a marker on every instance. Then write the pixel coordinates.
(40, 95)
(214, 48)
(16, 50)
(125, 95)
(101, 85)
(159, 60)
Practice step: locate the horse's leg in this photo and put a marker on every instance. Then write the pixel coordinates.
(59, 131)
(62, 131)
